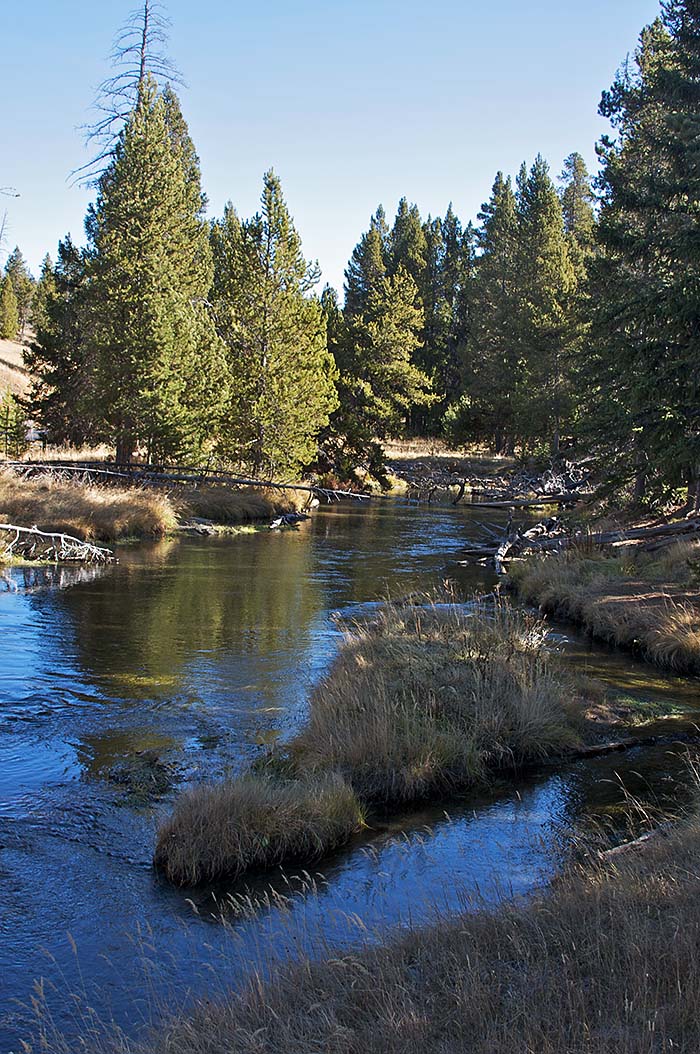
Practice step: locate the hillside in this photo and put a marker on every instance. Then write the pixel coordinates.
(13, 374)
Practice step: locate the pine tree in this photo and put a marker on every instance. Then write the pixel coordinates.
(159, 365)
(645, 343)
(367, 266)
(9, 313)
(282, 375)
(546, 323)
(577, 201)
(18, 273)
(489, 409)
(62, 397)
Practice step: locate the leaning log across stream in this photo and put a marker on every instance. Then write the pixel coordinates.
(30, 543)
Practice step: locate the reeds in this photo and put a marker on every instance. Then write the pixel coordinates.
(96, 512)
(93, 513)
(606, 962)
(422, 701)
(254, 822)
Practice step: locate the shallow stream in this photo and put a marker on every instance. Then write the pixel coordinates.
(203, 651)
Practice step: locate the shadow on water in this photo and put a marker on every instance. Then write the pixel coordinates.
(202, 652)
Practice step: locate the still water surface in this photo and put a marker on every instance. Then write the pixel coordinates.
(204, 650)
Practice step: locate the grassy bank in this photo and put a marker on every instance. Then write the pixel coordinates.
(644, 601)
(108, 513)
(606, 961)
(421, 702)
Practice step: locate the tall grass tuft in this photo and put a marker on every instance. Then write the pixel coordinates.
(427, 699)
(422, 701)
(254, 822)
(94, 513)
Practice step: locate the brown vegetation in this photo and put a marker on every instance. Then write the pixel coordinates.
(107, 513)
(647, 602)
(89, 512)
(429, 698)
(607, 962)
(254, 822)
(422, 701)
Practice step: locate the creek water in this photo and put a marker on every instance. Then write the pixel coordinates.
(203, 651)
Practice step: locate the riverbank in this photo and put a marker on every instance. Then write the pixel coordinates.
(646, 602)
(605, 961)
(110, 513)
(423, 700)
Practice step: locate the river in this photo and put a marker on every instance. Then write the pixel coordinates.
(203, 650)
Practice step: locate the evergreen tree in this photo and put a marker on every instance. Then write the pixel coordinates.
(282, 375)
(489, 409)
(13, 426)
(159, 365)
(546, 323)
(9, 313)
(62, 397)
(367, 266)
(18, 273)
(577, 201)
(645, 345)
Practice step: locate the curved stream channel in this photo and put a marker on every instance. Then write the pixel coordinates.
(204, 651)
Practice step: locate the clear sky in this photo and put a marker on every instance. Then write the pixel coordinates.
(353, 103)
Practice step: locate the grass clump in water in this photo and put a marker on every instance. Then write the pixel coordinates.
(254, 822)
(606, 961)
(420, 702)
(429, 699)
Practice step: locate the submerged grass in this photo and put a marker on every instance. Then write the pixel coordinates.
(422, 701)
(647, 602)
(605, 961)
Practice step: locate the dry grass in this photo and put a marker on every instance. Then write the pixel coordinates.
(107, 513)
(254, 822)
(421, 702)
(427, 699)
(90, 512)
(226, 506)
(647, 603)
(607, 962)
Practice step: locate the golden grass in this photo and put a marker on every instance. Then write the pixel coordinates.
(254, 822)
(89, 512)
(607, 962)
(108, 513)
(227, 506)
(421, 702)
(646, 603)
(427, 699)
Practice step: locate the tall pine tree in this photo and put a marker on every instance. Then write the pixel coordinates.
(282, 377)
(160, 379)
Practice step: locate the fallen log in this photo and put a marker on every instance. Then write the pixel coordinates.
(638, 843)
(528, 503)
(680, 527)
(32, 544)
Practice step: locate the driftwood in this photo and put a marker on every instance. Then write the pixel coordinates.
(531, 503)
(638, 843)
(550, 536)
(32, 544)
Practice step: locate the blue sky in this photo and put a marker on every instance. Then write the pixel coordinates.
(352, 103)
